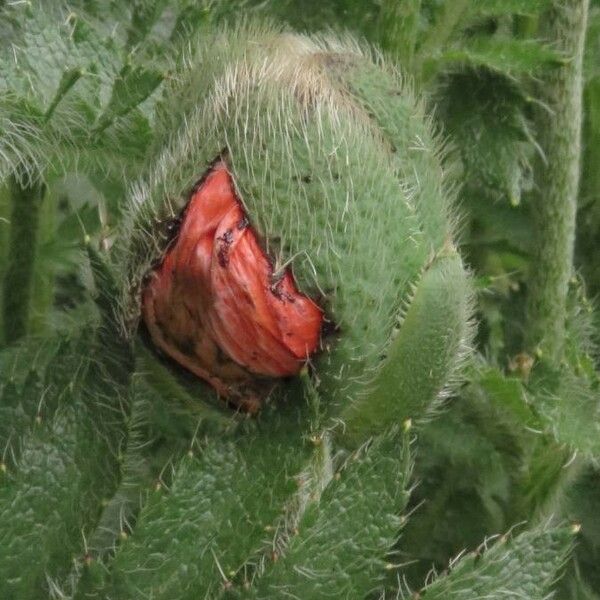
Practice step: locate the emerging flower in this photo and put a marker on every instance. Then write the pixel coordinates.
(215, 306)
(338, 167)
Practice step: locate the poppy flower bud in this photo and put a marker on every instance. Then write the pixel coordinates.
(296, 203)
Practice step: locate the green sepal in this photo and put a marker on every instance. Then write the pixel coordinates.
(342, 545)
(524, 567)
(422, 356)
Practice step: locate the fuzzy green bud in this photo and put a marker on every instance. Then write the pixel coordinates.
(338, 171)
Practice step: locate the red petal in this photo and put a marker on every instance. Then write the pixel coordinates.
(212, 304)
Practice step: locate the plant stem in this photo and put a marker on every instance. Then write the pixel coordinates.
(557, 177)
(26, 200)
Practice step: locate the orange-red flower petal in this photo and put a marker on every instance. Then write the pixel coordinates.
(214, 306)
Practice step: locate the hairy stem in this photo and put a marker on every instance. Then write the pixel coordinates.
(26, 201)
(555, 204)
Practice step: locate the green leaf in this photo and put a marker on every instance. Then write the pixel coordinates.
(36, 518)
(71, 93)
(523, 567)
(133, 85)
(510, 7)
(508, 394)
(568, 406)
(191, 538)
(508, 56)
(67, 468)
(145, 14)
(467, 464)
(341, 547)
(38, 376)
(582, 581)
(484, 113)
(191, 18)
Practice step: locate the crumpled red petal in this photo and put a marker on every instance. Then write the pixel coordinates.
(214, 306)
